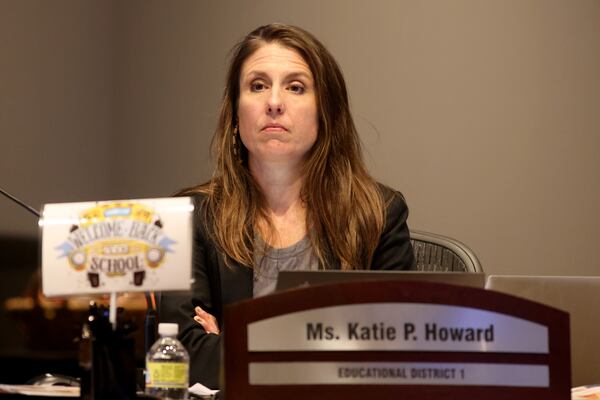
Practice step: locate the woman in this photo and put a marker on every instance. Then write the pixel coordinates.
(290, 189)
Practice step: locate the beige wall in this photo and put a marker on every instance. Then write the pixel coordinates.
(55, 105)
(483, 113)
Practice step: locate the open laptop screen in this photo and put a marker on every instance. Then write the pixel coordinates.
(580, 297)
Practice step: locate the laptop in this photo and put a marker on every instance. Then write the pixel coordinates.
(579, 296)
(295, 279)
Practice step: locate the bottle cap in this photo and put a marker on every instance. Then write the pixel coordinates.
(168, 329)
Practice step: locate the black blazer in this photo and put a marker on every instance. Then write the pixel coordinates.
(215, 285)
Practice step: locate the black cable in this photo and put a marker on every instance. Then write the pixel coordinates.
(150, 328)
(28, 208)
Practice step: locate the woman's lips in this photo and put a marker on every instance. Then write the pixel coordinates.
(274, 128)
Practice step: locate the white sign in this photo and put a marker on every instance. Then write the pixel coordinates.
(116, 246)
(398, 373)
(397, 326)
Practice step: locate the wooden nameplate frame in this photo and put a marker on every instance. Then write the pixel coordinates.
(395, 339)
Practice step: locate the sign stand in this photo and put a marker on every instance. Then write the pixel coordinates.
(112, 313)
(395, 339)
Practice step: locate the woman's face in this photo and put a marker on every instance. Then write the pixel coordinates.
(277, 109)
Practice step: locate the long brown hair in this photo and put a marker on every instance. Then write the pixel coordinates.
(345, 208)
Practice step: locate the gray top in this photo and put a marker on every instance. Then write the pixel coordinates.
(268, 261)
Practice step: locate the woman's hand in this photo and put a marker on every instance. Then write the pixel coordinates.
(208, 322)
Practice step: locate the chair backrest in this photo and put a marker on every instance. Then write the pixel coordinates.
(440, 253)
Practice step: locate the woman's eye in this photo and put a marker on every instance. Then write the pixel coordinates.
(296, 88)
(257, 87)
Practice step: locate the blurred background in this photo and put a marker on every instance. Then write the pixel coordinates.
(485, 114)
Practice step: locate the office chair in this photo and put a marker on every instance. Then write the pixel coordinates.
(440, 253)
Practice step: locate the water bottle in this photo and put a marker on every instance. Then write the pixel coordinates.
(167, 365)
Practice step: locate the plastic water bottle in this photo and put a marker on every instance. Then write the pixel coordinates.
(167, 365)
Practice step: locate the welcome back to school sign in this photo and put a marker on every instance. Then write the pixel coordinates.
(116, 246)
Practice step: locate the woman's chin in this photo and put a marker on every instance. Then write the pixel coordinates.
(278, 156)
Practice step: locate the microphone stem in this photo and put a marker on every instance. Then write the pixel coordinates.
(28, 208)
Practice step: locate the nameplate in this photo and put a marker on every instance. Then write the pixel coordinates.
(397, 373)
(395, 339)
(397, 327)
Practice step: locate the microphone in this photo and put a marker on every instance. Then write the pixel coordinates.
(19, 202)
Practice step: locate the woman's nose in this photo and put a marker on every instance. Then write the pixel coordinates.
(275, 104)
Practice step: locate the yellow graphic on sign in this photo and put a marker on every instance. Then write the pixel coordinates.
(116, 239)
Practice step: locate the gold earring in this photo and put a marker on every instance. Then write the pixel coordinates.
(236, 145)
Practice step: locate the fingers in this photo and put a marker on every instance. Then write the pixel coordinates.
(208, 321)
(201, 313)
(201, 322)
